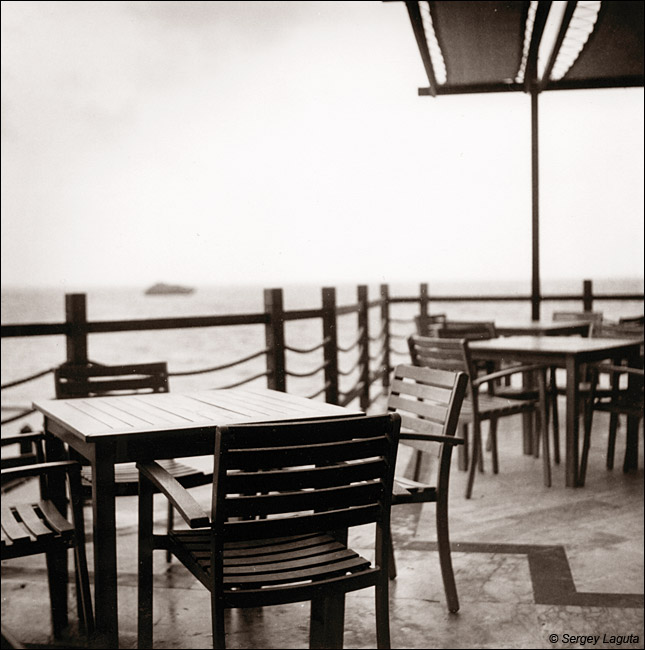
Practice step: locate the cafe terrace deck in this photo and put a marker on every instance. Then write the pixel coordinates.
(530, 562)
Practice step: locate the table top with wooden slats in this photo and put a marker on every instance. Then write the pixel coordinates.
(565, 345)
(518, 327)
(116, 417)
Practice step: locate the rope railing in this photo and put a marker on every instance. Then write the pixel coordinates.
(354, 344)
(399, 352)
(243, 381)
(319, 346)
(291, 373)
(185, 373)
(18, 382)
(379, 336)
(380, 355)
(321, 391)
(345, 373)
(14, 418)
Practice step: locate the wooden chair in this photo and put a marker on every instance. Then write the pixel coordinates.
(429, 402)
(614, 389)
(454, 354)
(73, 381)
(43, 527)
(266, 541)
(425, 324)
(618, 400)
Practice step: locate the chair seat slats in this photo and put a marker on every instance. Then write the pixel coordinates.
(493, 405)
(12, 528)
(32, 522)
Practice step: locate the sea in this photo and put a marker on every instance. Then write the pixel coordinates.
(195, 350)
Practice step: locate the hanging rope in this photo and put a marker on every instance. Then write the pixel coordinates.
(307, 351)
(38, 375)
(222, 367)
(307, 374)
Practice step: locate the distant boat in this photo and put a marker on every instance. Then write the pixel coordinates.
(163, 289)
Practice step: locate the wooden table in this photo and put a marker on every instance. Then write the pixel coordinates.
(568, 352)
(109, 430)
(519, 327)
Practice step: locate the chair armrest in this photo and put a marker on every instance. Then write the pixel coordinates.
(506, 372)
(609, 368)
(191, 512)
(17, 438)
(39, 468)
(406, 490)
(431, 437)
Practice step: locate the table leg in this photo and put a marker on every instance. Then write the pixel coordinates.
(105, 567)
(327, 622)
(528, 418)
(572, 433)
(631, 442)
(57, 569)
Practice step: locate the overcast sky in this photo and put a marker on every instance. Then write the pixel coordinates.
(275, 142)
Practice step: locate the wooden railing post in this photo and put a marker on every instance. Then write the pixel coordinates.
(274, 332)
(330, 347)
(364, 345)
(385, 325)
(424, 325)
(76, 319)
(587, 295)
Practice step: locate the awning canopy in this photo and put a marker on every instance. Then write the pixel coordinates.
(481, 46)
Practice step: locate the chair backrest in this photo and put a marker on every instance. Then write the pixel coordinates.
(272, 480)
(426, 324)
(91, 380)
(632, 320)
(428, 401)
(588, 316)
(609, 330)
(469, 330)
(440, 353)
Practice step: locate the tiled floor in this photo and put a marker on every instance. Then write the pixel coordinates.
(530, 562)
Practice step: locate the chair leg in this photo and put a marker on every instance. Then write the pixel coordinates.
(586, 443)
(382, 605)
(57, 579)
(169, 526)
(611, 441)
(463, 450)
(476, 452)
(553, 394)
(145, 603)
(85, 612)
(392, 558)
(543, 429)
(445, 558)
(327, 621)
(217, 620)
(492, 433)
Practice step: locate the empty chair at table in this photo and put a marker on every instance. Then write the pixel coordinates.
(481, 406)
(278, 490)
(615, 389)
(42, 526)
(429, 403)
(76, 381)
